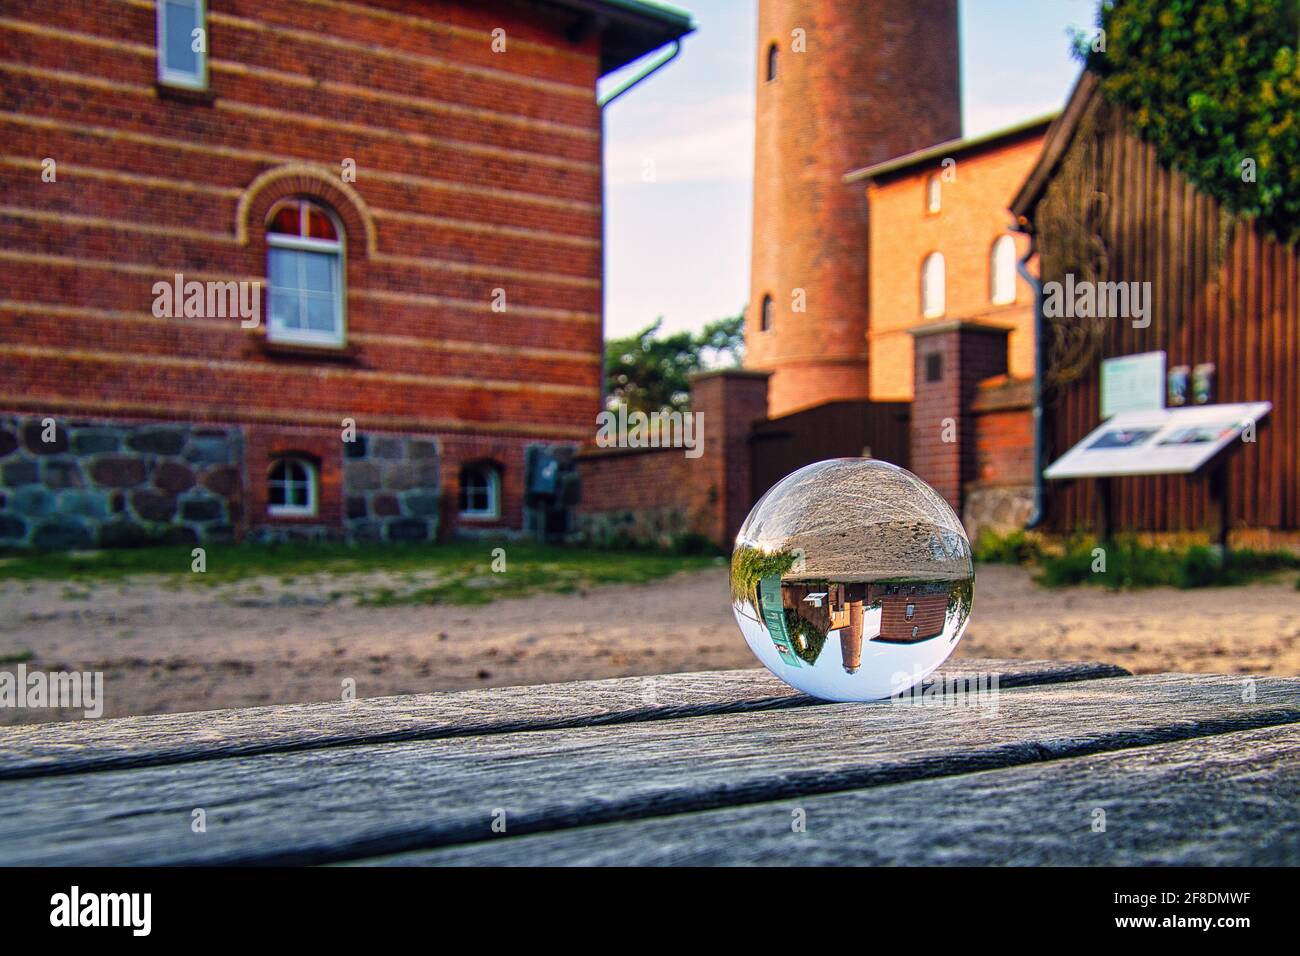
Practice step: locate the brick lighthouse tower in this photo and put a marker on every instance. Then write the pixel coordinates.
(841, 84)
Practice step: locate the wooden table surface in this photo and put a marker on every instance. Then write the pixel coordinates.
(713, 768)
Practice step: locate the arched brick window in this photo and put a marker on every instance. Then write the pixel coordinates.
(305, 268)
(480, 491)
(767, 314)
(933, 194)
(773, 61)
(291, 487)
(1002, 268)
(933, 286)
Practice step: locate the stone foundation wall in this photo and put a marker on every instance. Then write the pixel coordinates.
(393, 488)
(657, 527)
(997, 508)
(86, 484)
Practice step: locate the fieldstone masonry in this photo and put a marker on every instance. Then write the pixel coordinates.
(393, 488)
(87, 484)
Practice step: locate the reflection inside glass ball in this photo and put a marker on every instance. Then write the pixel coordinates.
(852, 579)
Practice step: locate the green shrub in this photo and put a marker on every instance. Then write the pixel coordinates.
(1017, 547)
(1211, 85)
(1129, 564)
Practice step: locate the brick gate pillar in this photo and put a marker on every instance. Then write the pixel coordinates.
(731, 401)
(952, 357)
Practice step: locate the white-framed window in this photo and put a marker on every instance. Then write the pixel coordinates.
(1002, 267)
(932, 286)
(291, 487)
(183, 43)
(768, 315)
(933, 194)
(480, 491)
(304, 268)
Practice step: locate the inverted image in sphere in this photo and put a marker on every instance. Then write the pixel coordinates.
(852, 579)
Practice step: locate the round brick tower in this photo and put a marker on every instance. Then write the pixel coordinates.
(876, 79)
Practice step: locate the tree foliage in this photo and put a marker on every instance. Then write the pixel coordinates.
(1215, 88)
(649, 372)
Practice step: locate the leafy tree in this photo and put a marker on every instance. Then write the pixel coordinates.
(1215, 87)
(649, 372)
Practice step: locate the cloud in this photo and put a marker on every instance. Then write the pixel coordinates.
(710, 140)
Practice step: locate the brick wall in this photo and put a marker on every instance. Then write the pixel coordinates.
(878, 80)
(475, 171)
(972, 216)
(1000, 498)
(656, 495)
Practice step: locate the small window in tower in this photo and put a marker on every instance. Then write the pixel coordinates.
(934, 367)
(1003, 268)
(932, 286)
(933, 194)
(766, 316)
(773, 54)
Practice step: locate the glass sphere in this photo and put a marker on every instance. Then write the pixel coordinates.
(852, 579)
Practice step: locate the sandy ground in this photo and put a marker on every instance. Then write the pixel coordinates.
(197, 648)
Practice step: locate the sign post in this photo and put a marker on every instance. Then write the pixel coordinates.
(1163, 441)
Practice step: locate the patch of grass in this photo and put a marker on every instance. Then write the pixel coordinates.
(462, 571)
(1017, 547)
(1129, 564)
(16, 657)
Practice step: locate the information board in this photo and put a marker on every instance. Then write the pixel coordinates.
(1166, 441)
(1132, 383)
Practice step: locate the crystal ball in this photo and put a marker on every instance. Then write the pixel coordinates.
(852, 579)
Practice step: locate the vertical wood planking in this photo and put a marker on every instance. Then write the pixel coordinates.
(1239, 309)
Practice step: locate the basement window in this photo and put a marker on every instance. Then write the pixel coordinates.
(183, 43)
(291, 488)
(480, 491)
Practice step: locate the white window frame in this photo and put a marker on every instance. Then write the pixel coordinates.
(933, 286)
(302, 243)
(933, 194)
(308, 510)
(190, 81)
(493, 510)
(1002, 266)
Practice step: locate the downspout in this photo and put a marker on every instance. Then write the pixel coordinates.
(602, 102)
(1022, 266)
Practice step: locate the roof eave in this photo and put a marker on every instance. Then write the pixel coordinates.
(630, 28)
(1059, 137)
(954, 147)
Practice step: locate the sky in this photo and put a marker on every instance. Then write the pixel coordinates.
(677, 245)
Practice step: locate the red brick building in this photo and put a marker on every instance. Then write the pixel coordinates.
(383, 220)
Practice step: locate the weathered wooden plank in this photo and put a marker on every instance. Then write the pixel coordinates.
(75, 747)
(1226, 800)
(342, 803)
